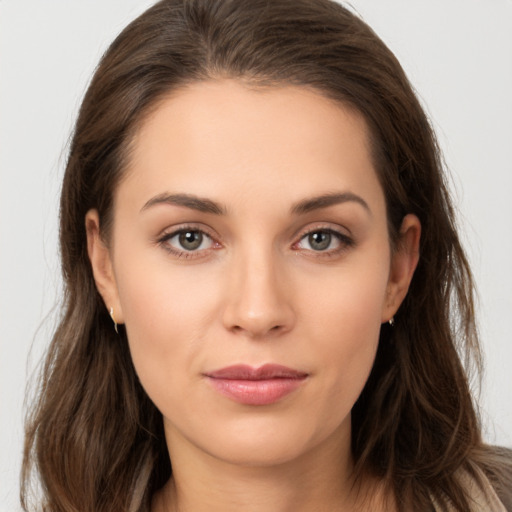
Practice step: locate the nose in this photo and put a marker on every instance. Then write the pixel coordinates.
(259, 298)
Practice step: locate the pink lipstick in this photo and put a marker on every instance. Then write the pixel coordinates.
(256, 386)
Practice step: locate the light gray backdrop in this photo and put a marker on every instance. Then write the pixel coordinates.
(458, 55)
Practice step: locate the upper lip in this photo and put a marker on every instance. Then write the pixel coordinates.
(265, 372)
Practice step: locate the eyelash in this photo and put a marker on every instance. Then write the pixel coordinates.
(345, 242)
(166, 237)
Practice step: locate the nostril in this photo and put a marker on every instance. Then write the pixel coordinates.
(256, 332)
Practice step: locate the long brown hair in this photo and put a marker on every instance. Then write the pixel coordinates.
(94, 437)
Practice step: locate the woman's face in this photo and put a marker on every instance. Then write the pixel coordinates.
(251, 265)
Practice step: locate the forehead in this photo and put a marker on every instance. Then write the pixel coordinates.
(289, 141)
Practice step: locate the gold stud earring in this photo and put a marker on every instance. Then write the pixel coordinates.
(113, 319)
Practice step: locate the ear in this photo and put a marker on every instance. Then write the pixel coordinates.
(404, 260)
(102, 268)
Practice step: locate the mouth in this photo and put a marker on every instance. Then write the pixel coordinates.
(264, 385)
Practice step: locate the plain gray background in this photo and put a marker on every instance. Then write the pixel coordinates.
(458, 55)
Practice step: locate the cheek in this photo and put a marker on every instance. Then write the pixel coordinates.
(350, 298)
(348, 337)
(344, 319)
(167, 311)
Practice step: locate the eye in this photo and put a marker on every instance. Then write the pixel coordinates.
(324, 240)
(319, 240)
(187, 240)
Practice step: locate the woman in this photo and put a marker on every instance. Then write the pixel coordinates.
(264, 286)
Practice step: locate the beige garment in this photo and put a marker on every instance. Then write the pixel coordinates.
(483, 499)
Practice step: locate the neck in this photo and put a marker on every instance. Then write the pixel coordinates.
(319, 480)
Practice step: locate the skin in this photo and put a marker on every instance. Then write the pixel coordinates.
(257, 290)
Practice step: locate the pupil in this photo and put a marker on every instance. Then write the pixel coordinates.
(320, 240)
(191, 240)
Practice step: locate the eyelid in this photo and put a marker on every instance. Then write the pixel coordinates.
(331, 227)
(169, 233)
(346, 240)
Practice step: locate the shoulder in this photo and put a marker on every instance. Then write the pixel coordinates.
(482, 494)
(497, 468)
(486, 481)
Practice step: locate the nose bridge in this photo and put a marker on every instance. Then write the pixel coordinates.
(259, 293)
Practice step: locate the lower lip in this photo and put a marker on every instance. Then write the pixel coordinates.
(256, 392)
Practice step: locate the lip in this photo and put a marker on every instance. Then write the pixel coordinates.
(264, 385)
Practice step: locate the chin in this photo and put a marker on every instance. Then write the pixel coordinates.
(269, 441)
(262, 452)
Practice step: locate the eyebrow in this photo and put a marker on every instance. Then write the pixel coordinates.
(304, 206)
(200, 204)
(326, 200)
